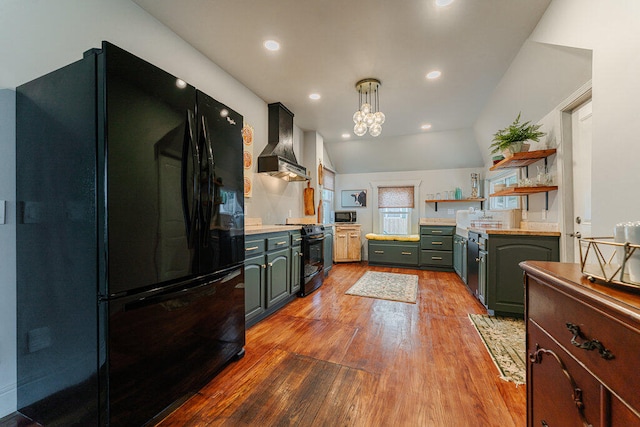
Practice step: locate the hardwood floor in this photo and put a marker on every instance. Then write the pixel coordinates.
(332, 359)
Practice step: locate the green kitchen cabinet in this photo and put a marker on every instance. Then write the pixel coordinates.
(268, 274)
(254, 287)
(436, 247)
(393, 253)
(504, 285)
(296, 261)
(278, 276)
(460, 257)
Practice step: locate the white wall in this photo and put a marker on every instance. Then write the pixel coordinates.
(610, 30)
(8, 253)
(40, 36)
(426, 181)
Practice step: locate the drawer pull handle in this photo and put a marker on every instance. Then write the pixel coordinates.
(406, 253)
(436, 232)
(298, 239)
(588, 345)
(576, 395)
(378, 252)
(436, 243)
(436, 258)
(252, 248)
(281, 243)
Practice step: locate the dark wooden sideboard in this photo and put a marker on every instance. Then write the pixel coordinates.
(583, 349)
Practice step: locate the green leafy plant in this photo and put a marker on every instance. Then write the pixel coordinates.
(515, 133)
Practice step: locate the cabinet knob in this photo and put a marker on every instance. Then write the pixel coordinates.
(270, 264)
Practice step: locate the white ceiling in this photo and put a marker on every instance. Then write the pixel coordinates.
(328, 45)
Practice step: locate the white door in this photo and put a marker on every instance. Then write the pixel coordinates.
(581, 151)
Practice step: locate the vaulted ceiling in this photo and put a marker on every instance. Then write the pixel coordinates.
(328, 45)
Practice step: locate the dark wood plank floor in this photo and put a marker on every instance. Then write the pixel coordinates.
(332, 359)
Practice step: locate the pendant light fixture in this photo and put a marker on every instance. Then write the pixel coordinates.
(368, 117)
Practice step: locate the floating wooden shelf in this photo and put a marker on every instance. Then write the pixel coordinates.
(523, 159)
(479, 199)
(523, 191)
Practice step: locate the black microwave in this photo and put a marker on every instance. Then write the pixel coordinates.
(345, 216)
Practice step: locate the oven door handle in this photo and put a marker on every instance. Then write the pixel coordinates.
(316, 238)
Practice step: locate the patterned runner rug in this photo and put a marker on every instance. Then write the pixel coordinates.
(391, 286)
(504, 338)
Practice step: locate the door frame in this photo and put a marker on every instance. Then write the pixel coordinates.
(565, 168)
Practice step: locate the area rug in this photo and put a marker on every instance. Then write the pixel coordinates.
(390, 286)
(504, 338)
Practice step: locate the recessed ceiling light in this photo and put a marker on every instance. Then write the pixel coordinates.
(443, 2)
(272, 45)
(346, 135)
(425, 127)
(314, 96)
(433, 74)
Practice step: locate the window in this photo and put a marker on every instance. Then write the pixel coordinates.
(328, 190)
(395, 206)
(504, 202)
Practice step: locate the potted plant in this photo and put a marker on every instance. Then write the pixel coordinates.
(511, 139)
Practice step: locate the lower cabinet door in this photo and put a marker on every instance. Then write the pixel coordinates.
(560, 391)
(278, 278)
(296, 265)
(254, 276)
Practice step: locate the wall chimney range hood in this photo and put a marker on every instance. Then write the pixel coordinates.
(278, 159)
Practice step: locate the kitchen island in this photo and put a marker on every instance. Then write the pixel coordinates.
(493, 257)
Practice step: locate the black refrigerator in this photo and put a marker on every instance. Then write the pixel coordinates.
(130, 241)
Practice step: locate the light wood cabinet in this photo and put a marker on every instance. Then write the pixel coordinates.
(347, 243)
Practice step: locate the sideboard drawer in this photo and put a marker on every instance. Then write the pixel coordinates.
(554, 374)
(568, 319)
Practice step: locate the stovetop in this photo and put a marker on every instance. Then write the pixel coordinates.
(311, 229)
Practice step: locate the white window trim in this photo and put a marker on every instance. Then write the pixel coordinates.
(503, 175)
(375, 213)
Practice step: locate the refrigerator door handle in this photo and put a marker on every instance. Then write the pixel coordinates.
(190, 152)
(208, 170)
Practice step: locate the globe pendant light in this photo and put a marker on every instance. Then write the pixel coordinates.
(368, 117)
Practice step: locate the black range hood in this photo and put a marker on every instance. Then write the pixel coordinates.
(278, 159)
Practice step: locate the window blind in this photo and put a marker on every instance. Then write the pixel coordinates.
(395, 197)
(329, 179)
